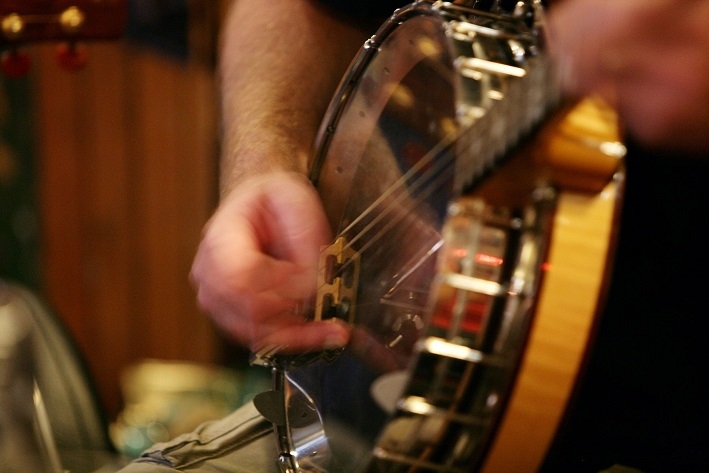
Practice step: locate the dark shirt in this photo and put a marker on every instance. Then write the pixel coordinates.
(643, 401)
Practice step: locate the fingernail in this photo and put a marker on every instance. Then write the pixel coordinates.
(335, 340)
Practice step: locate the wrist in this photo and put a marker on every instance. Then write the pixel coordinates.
(256, 162)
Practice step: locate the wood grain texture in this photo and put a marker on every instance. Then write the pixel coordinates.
(567, 307)
(127, 153)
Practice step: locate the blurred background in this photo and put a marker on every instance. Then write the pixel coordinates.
(107, 175)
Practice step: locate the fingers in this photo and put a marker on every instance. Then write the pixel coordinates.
(259, 258)
(299, 336)
(648, 58)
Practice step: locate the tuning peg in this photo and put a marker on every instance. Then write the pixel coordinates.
(72, 56)
(12, 26)
(15, 63)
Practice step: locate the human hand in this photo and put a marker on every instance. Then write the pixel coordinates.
(649, 58)
(259, 258)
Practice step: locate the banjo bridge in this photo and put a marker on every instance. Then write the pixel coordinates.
(338, 279)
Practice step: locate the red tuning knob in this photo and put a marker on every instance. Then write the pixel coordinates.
(72, 56)
(15, 63)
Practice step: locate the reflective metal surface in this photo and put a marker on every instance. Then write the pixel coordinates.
(434, 100)
(26, 440)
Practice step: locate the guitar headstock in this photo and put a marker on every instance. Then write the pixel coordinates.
(66, 21)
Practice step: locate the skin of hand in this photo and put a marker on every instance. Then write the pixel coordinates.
(280, 62)
(259, 259)
(649, 58)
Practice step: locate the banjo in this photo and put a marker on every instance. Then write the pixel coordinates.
(474, 215)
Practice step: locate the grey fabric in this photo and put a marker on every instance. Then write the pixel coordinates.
(242, 442)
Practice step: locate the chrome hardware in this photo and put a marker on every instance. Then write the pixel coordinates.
(481, 315)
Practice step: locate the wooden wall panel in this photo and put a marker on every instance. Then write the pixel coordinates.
(127, 165)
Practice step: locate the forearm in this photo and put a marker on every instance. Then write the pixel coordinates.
(650, 59)
(280, 63)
